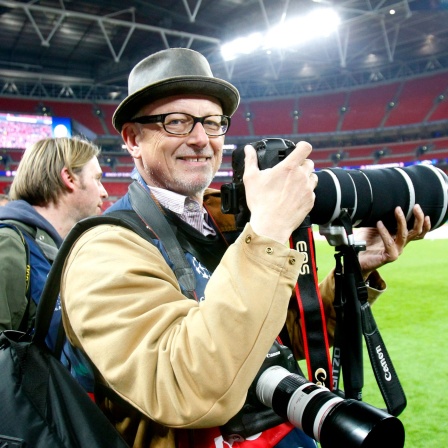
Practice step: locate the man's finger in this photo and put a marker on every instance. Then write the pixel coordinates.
(250, 158)
(300, 154)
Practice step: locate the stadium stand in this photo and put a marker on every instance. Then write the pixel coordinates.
(108, 111)
(441, 110)
(10, 158)
(416, 100)
(395, 132)
(279, 119)
(416, 150)
(116, 188)
(366, 107)
(320, 113)
(4, 186)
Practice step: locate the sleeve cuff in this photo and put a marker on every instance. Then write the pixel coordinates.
(375, 286)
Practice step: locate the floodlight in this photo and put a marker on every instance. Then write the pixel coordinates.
(320, 22)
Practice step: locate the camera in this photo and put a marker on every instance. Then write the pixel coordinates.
(280, 393)
(331, 420)
(369, 195)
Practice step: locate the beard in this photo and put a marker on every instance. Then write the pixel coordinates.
(190, 186)
(187, 183)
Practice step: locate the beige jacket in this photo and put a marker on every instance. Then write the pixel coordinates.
(181, 364)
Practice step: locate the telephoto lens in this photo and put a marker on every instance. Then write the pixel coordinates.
(368, 195)
(331, 420)
(371, 195)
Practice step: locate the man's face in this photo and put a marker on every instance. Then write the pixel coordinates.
(90, 193)
(184, 164)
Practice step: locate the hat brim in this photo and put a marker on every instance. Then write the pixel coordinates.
(225, 92)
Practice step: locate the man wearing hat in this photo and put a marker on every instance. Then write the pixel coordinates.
(181, 367)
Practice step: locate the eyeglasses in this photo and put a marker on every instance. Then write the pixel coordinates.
(178, 123)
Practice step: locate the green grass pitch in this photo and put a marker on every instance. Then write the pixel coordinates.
(412, 316)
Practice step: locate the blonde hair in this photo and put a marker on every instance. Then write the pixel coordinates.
(38, 179)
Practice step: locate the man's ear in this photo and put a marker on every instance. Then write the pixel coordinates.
(68, 179)
(129, 134)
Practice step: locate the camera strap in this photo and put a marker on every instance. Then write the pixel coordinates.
(312, 315)
(385, 374)
(338, 305)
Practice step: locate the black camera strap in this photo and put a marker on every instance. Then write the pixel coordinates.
(312, 315)
(385, 374)
(338, 305)
(148, 211)
(353, 316)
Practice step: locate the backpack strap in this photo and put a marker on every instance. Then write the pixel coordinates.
(51, 289)
(23, 327)
(146, 211)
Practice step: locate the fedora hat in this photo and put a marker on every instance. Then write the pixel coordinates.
(172, 72)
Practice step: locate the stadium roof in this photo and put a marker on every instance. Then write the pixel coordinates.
(84, 50)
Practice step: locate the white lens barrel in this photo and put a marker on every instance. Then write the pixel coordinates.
(268, 382)
(411, 191)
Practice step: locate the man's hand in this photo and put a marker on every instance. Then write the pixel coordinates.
(382, 247)
(280, 197)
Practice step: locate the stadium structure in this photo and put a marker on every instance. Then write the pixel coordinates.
(370, 91)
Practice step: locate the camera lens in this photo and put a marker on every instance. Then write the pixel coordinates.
(353, 424)
(329, 419)
(371, 195)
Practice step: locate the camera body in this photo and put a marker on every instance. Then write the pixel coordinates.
(368, 195)
(269, 152)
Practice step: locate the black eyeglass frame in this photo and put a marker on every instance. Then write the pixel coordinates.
(151, 119)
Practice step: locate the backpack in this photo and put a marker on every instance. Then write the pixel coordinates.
(37, 268)
(23, 326)
(43, 406)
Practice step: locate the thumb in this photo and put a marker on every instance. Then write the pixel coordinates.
(250, 159)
